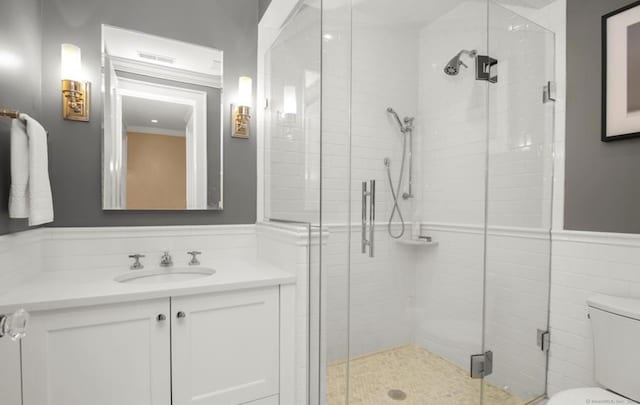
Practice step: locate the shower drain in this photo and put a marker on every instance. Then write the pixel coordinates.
(397, 395)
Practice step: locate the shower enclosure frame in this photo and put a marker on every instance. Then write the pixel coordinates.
(275, 22)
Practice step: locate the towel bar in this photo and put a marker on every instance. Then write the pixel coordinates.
(9, 113)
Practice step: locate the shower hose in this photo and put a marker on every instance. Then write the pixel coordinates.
(395, 192)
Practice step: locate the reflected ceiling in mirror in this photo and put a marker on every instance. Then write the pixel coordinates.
(162, 123)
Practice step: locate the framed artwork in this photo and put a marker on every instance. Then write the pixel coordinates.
(621, 73)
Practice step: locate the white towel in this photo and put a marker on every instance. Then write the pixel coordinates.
(18, 196)
(31, 199)
(40, 199)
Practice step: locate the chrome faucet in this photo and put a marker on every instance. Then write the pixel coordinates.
(166, 260)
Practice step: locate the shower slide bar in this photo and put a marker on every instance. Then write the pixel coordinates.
(370, 195)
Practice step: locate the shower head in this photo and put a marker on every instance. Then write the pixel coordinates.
(453, 67)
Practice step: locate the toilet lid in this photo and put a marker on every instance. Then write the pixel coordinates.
(582, 396)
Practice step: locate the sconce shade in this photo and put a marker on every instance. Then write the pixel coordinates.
(290, 101)
(245, 85)
(70, 62)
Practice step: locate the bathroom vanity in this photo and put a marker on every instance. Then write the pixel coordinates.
(213, 340)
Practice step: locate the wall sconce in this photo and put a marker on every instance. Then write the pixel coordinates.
(241, 114)
(76, 94)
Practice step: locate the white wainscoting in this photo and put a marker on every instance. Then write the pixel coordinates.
(20, 257)
(54, 249)
(103, 248)
(426, 279)
(585, 264)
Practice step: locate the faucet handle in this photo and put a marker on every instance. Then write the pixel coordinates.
(194, 257)
(136, 265)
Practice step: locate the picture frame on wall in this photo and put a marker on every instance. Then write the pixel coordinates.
(621, 73)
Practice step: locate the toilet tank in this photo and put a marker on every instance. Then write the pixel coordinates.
(615, 323)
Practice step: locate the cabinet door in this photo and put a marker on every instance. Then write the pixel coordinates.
(10, 372)
(104, 355)
(225, 347)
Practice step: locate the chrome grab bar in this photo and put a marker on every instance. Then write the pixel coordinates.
(371, 194)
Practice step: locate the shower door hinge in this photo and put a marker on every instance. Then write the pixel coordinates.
(549, 92)
(543, 340)
(482, 364)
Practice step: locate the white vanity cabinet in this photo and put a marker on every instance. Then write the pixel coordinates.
(208, 349)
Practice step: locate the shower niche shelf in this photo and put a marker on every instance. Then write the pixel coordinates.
(417, 242)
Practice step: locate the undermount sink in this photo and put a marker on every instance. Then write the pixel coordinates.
(168, 275)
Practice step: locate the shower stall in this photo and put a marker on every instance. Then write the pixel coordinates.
(429, 236)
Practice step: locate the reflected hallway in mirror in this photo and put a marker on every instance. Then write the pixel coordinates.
(162, 125)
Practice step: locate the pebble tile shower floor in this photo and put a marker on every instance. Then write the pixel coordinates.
(425, 378)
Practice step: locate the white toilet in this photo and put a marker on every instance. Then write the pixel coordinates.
(615, 323)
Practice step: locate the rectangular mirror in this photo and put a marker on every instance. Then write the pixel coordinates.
(162, 147)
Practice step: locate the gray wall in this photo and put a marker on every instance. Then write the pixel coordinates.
(75, 148)
(262, 7)
(19, 86)
(602, 190)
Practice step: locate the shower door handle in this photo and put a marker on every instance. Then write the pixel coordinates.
(363, 238)
(372, 215)
(369, 193)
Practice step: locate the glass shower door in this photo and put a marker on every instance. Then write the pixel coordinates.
(519, 206)
(438, 275)
(403, 295)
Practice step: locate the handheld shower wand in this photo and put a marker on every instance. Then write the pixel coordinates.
(395, 115)
(406, 128)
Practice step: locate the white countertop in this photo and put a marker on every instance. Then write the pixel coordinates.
(66, 289)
